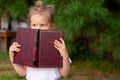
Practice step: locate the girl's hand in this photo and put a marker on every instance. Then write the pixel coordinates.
(61, 47)
(14, 48)
(20, 69)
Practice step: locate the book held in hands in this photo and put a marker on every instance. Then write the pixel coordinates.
(37, 48)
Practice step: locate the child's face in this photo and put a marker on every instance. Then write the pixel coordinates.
(40, 22)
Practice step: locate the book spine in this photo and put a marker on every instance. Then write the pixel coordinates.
(35, 61)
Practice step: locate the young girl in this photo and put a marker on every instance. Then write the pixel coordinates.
(41, 17)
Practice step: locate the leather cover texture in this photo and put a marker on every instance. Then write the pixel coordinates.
(37, 48)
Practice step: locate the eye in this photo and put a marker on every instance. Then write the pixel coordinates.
(34, 25)
(42, 25)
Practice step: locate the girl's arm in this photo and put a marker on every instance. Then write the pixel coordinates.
(61, 47)
(18, 68)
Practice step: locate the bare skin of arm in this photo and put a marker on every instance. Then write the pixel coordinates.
(21, 70)
(61, 47)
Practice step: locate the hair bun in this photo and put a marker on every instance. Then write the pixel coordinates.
(39, 3)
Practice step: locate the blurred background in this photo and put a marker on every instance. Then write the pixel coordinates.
(91, 32)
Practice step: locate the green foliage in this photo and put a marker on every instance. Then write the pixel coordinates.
(116, 53)
(105, 66)
(19, 10)
(93, 21)
(14, 9)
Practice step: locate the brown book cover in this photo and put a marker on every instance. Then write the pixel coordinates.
(37, 48)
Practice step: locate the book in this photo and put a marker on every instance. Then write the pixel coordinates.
(37, 48)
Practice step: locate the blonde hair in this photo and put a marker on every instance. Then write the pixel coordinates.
(42, 9)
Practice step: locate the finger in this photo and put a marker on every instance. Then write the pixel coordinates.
(14, 48)
(62, 41)
(17, 49)
(58, 43)
(57, 47)
(15, 43)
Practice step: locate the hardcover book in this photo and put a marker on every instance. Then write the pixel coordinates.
(37, 48)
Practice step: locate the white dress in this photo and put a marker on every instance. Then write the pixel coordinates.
(42, 73)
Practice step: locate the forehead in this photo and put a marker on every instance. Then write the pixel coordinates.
(37, 18)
